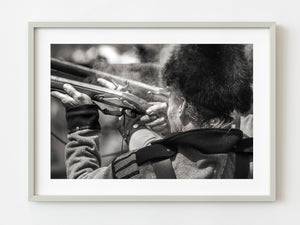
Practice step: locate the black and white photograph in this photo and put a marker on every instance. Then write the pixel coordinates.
(152, 111)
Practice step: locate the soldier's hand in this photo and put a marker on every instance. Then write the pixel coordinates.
(111, 85)
(155, 118)
(72, 98)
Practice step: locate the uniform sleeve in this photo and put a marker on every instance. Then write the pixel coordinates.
(82, 150)
(142, 138)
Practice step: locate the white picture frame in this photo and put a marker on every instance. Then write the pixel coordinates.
(269, 193)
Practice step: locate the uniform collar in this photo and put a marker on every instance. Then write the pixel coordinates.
(208, 141)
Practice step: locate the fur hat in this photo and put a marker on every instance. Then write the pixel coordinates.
(214, 76)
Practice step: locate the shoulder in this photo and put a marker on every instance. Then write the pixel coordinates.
(125, 166)
(128, 165)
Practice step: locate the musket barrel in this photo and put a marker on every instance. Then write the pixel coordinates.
(84, 72)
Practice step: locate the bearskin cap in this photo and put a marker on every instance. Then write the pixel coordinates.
(215, 76)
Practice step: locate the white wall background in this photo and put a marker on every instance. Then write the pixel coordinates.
(15, 209)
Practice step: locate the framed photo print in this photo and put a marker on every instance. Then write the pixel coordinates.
(146, 111)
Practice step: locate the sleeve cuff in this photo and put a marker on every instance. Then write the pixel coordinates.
(83, 117)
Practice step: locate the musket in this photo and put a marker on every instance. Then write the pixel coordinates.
(120, 99)
(63, 72)
(73, 71)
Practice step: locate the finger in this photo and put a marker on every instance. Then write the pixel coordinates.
(58, 95)
(157, 122)
(157, 108)
(70, 90)
(64, 98)
(160, 128)
(158, 103)
(106, 83)
(147, 118)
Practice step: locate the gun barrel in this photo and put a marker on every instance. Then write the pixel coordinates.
(72, 69)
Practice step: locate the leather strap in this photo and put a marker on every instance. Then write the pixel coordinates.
(242, 165)
(153, 153)
(243, 151)
(163, 169)
(160, 156)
